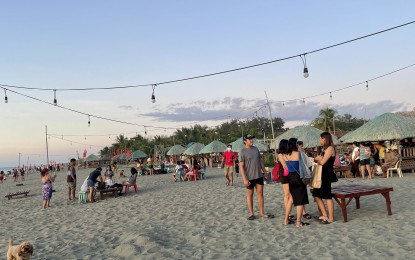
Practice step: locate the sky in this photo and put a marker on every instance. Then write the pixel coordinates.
(87, 44)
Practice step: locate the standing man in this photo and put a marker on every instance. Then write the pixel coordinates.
(228, 161)
(250, 166)
(355, 159)
(71, 179)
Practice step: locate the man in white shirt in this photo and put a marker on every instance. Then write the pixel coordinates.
(355, 159)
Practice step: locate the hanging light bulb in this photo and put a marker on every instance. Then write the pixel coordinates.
(367, 86)
(109, 137)
(331, 97)
(303, 101)
(145, 131)
(55, 101)
(85, 137)
(6, 100)
(305, 70)
(153, 98)
(283, 104)
(89, 121)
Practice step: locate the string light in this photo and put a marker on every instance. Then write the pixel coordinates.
(145, 131)
(153, 98)
(89, 121)
(367, 86)
(283, 104)
(303, 101)
(331, 97)
(6, 100)
(55, 101)
(305, 70)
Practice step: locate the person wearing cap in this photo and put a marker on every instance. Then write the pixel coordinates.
(252, 171)
(92, 179)
(391, 162)
(228, 161)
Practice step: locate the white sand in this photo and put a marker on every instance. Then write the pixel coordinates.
(202, 220)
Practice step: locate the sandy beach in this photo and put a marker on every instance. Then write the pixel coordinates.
(202, 220)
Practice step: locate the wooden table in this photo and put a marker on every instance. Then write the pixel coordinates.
(113, 191)
(18, 193)
(345, 170)
(343, 192)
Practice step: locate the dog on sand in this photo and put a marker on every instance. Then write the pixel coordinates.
(19, 252)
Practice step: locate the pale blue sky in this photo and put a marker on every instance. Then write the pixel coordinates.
(75, 44)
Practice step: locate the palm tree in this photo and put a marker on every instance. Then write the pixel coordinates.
(325, 118)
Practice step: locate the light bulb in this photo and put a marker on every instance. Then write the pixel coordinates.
(6, 100)
(153, 99)
(305, 74)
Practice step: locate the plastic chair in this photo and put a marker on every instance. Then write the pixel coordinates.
(397, 168)
(127, 187)
(82, 197)
(193, 174)
(203, 174)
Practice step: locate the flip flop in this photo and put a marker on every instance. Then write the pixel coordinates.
(290, 221)
(268, 216)
(252, 217)
(307, 216)
(291, 217)
(325, 222)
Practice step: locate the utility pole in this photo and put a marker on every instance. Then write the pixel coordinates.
(270, 117)
(47, 146)
(19, 161)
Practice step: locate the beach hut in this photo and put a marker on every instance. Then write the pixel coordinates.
(238, 144)
(308, 134)
(213, 147)
(388, 126)
(176, 150)
(92, 161)
(194, 149)
(138, 154)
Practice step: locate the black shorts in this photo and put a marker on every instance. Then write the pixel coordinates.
(364, 162)
(253, 183)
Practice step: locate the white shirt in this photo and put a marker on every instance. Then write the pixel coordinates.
(356, 149)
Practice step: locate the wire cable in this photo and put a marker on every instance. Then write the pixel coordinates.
(215, 73)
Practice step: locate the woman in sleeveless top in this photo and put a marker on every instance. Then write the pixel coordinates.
(326, 159)
(298, 190)
(47, 187)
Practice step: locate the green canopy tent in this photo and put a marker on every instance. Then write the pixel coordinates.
(176, 150)
(239, 144)
(310, 136)
(213, 147)
(138, 154)
(194, 149)
(388, 126)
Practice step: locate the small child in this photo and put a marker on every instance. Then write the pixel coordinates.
(178, 170)
(122, 173)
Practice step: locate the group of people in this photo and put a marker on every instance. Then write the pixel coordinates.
(197, 166)
(89, 185)
(294, 165)
(370, 159)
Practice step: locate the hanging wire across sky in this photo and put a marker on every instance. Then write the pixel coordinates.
(215, 73)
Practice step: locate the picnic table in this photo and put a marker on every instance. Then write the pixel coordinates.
(343, 192)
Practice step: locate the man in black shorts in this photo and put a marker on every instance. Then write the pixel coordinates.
(250, 166)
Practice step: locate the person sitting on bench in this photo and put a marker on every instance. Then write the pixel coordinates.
(92, 180)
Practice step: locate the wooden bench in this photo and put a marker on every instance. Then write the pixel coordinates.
(408, 164)
(345, 170)
(11, 195)
(343, 192)
(110, 191)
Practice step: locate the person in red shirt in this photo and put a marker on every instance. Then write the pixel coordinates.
(228, 161)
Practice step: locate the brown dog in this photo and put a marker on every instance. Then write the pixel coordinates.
(20, 252)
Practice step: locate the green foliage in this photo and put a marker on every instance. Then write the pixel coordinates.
(328, 120)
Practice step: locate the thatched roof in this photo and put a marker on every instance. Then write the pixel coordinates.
(176, 150)
(388, 126)
(213, 147)
(239, 144)
(92, 158)
(308, 134)
(194, 149)
(410, 114)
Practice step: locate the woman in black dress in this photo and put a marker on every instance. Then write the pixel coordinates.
(326, 159)
(282, 149)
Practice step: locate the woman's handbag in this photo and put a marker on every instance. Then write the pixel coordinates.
(316, 179)
(276, 172)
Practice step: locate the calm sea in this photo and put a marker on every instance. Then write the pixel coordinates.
(5, 169)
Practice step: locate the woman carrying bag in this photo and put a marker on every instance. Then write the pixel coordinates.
(326, 159)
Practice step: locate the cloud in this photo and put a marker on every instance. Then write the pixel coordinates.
(126, 107)
(240, 108)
